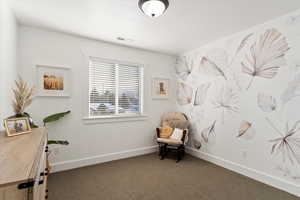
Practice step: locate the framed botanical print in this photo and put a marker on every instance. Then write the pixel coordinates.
(160, 88)
(53, 81)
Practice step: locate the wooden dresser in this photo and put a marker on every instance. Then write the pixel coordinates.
(23, 171)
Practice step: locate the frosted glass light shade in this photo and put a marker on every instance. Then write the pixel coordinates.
(153, 8)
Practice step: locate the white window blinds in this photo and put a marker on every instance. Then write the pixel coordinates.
(108, 78)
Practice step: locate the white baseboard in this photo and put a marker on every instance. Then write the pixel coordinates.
(251, 173)
(73, 164)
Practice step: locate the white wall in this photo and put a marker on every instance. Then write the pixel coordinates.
(90, 143)
(228, 102)
(8, 58)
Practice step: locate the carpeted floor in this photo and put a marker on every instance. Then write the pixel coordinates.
(148, 178)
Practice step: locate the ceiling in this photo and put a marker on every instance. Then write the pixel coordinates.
(186, 25)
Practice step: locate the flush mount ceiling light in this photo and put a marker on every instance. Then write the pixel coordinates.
(153, 8)
(122, 39)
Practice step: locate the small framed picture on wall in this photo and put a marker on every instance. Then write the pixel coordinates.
(53, 81)
(160, 88)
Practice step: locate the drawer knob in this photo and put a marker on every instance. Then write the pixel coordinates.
(25, 185)
(41, 182)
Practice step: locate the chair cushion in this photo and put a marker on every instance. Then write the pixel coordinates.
(169, 141)
(177, 134)
(181, 124)
(166, 132)
(173, 116)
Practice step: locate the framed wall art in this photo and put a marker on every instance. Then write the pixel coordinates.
(53, 81)
(160, 88)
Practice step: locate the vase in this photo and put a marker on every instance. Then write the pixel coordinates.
(25, 114)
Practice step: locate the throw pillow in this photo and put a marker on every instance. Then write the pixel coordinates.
(165, 132)
(177, 134)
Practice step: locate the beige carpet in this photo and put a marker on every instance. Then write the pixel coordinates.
(148, 178)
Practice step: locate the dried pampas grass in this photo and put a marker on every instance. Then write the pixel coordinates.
(23, 95)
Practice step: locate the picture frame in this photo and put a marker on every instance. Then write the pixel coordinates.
(17, 126)
(160, 88)
(53, 81)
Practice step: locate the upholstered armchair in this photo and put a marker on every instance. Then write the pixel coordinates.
(175, 120)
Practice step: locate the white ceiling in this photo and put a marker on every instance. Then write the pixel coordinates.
(186, 25)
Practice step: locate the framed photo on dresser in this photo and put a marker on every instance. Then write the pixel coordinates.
(17, 126)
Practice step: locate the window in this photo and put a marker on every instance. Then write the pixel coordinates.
(115, 88)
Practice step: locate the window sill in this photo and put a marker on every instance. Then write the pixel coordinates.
(113, 119)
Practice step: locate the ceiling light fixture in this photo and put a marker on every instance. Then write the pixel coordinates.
(153, 8)
(122, 39)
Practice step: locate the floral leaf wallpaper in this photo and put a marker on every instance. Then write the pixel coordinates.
(266, 55)
(196, 140)
(184, 67)
(197, 143)
(209, 132)
(226, 101)
(208, 67)
(246, 130)
(184, 94)
(201, 94)
(243, 44)
(292, 91)
(288, 142)
(267, 103)
(237, 81)
(247, 87)
(219, 56)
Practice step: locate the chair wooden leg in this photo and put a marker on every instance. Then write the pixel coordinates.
(178, 157)
(178, 154)
(160, 149)
(163, 151)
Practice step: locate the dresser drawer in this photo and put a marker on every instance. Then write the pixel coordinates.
(23, 165)
(40, 173)
(40, 157)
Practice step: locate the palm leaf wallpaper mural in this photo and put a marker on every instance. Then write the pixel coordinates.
(266, 55)
(220, 58)
(246, 130)
(292, 90)
(209, 133)
(201, 93)
(226, 101)
(195, 137)
(184, 94)
(184, 67)
(267, 103)
(287, 143)
(248, 90)
(210, 68)
(243, 44)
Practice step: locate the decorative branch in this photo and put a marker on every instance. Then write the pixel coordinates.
(23, 95)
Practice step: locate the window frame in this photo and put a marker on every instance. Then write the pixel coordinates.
(118, 116)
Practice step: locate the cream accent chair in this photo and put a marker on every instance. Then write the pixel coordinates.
(174, 120)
